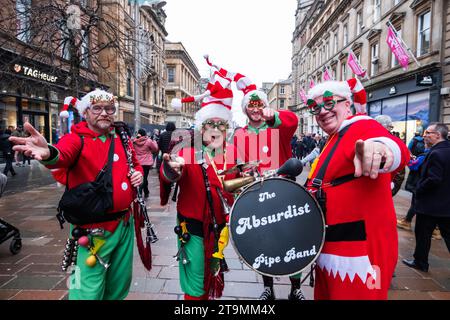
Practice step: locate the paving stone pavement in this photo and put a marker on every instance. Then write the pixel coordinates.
(34, 273)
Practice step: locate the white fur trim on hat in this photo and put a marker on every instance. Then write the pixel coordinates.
(212, 111)
(85, 102)
(339, 88)
(260, 94)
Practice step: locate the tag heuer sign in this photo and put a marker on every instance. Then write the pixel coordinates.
(34, 73)
(424, 80)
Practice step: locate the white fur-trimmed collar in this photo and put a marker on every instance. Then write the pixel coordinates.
(354, 119)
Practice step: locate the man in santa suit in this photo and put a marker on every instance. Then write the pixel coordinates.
(266, 139)
(195, 166)
(352, 177)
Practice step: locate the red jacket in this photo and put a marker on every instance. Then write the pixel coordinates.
(192, 201)
(92, 158)
(346, 266)
(272, 145)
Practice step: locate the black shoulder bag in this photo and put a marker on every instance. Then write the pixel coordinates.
(88, 202)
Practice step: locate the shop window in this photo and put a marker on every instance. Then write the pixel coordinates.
(418, 112)
(375, 109)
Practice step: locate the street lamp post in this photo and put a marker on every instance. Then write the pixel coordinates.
(137, 71)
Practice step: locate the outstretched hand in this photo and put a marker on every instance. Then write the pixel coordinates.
(268, 114)
(369, 155)
(176, 163)
(34, 146)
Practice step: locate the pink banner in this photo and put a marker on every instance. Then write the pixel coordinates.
(354, 64)
(397, 49)
(311, 84)
(302, 95)
(326, 75)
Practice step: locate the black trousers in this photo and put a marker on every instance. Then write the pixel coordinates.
(144, 185)
(425, 225)
(9, 164)
(411, 213)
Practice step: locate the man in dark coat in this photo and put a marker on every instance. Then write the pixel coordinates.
(164, 141)
(8, 153)
(432, 202)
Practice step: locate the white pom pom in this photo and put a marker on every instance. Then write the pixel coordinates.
(176, 104)
(64, 114)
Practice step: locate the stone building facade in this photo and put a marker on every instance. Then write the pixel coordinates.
(327, 30)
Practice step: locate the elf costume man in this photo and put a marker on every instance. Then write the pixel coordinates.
(266, 139)
(103, 271)
(199, 206)
(351, 178)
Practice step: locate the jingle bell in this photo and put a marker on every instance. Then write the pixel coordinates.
(83, 241)
(91, 261)
(177, 230)
(186, 237)
(185, 261)
(78, 232)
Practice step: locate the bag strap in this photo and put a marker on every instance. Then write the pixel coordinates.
(318, 180)
(75, 162)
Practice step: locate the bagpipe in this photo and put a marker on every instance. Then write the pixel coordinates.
(141, 218)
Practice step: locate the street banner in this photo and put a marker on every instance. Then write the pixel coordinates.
(302, 95)
(354, 64)
(311, 84)
(395, 44)
(327, 76)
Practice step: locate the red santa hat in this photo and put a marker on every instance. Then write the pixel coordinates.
(244, 84)
(68, 102)
(346, 89)
(217, 100)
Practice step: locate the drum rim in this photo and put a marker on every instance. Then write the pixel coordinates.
(278, 275)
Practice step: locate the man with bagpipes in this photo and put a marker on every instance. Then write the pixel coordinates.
(98, 165)
(201, 219)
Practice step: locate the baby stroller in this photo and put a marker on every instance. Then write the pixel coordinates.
(8, 231)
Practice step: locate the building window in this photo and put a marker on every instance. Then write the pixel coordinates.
(85, 49)
(374, 60)
(144, 91)
(359, 23)
(281, 103)
(335, 40)
(129, 93)
(344, 71)
(423, 34)
(281, 89)
(396, 2)
(65, 43)
(23, 10)
(171, 74)
(376, 10)
(394, 61)
(345, 35)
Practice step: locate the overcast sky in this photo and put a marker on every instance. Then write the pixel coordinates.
(252, 37)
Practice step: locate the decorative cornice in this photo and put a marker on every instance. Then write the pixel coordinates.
(416, 3)
(356, 45)
(397, 17)
(342, 56)
(373, 33)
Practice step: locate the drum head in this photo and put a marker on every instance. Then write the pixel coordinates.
(277, 227)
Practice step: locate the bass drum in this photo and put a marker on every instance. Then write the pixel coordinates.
(277, 227)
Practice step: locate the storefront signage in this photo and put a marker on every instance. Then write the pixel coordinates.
(35, 73)
(424, 80)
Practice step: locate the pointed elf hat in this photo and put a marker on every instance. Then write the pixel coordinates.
(346, 89)
(68, 102)
(217, 100)
(244, 84)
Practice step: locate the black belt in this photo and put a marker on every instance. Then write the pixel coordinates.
(194, 226)
(350, 231)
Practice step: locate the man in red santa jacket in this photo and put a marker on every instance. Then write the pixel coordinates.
(84, 152)
(361, 244)
(198, 210)
(266, 139)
